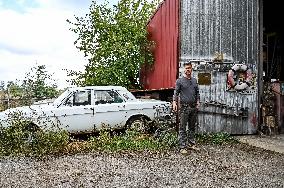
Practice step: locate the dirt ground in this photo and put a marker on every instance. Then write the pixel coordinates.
(273, 143)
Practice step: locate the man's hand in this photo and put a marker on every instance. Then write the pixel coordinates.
(197, 104)
(174, 106)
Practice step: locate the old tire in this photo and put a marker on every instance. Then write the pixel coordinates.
(137, 124)
(31, 130)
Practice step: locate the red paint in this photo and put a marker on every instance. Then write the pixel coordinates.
(163, 29)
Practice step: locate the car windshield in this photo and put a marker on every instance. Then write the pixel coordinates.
(59, 100)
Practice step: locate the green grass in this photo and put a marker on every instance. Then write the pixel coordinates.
(216, 138)
(133, 141)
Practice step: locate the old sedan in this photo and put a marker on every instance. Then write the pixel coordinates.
(86, 109)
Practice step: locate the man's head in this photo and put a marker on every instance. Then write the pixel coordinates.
(187, 69)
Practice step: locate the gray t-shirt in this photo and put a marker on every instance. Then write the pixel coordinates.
(187, 90)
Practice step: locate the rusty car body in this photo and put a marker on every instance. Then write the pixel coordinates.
(86, 109)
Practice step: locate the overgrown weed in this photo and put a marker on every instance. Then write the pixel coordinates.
(20, 139)
(216, 138)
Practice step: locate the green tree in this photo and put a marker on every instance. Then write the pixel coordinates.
(38, 84)
(14, 89)
(114, 39)
(2, 85)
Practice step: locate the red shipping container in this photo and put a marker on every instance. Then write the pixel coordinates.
(163, 29)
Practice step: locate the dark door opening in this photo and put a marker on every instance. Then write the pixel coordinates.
(273, 39)
(273, 65)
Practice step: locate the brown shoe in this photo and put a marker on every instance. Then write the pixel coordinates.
(183, 151)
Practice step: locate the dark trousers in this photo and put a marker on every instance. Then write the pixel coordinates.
(187, 125)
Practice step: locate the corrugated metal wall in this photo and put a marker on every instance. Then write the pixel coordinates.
(163, 30)
(229, 28)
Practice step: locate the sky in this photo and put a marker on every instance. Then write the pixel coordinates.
(35, 32)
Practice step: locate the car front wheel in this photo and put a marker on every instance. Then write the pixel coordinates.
(30, 132)
(138, 124)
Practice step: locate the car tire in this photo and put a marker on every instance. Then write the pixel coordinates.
(31, 131)
(138, 124)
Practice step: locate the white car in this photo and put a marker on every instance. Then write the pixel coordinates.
(86, 109)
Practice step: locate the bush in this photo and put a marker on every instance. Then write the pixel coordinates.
(22, 138)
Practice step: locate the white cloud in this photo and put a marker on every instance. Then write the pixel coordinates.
(40, 34)
(77, 7)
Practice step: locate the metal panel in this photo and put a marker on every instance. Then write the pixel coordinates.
(229, 28)
(163, 30)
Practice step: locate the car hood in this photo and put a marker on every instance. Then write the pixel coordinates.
(153, 101)
(29, 108)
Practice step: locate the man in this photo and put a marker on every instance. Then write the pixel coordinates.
(187, 96)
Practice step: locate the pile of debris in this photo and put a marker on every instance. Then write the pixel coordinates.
(269, 124)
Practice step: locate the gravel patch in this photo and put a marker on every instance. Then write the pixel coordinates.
(236, 165)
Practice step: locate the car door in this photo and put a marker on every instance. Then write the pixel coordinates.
(109, 109)
(76, 113)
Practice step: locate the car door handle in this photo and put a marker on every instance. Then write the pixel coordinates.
(93, 109)
(89, 108)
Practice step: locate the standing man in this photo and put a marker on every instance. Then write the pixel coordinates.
(187, 96)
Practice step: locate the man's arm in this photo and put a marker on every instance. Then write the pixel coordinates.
(176, 95)
(197, 96)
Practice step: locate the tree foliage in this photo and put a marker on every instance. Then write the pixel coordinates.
(2, 85)
(38, 84)
(114, 39)
(14, 88)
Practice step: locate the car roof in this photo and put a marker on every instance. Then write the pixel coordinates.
(99, 88)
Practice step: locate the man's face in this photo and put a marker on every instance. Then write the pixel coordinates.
(188, 70)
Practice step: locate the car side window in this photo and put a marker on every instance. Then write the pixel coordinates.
(82, 98)
(108, 96)
(79, 98)
(116, 97)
